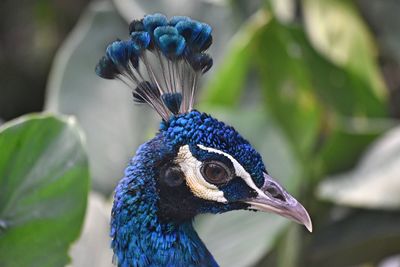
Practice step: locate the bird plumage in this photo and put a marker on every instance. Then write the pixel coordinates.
(195, 164)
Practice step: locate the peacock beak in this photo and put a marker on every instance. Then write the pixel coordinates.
(272, 197)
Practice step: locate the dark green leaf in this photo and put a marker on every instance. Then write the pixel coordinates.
(288, 85)
(44, 183)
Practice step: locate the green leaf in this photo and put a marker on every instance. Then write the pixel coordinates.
(374, 183)
(225, 89)
(337, 30)
(362, 237)
(44, 182)
(287, 83)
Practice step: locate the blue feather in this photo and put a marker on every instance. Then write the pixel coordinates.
(106, 68)
(189, 30)
(117, 53)
(136, 26)
(180, 41)
(200, 62)
(172, 46)
(144, 91)
(172, 101)
(165, 30)
(150, 22)
(121, 52)
(169, 41)
(203, 39)
(175, 19)
(141, 40)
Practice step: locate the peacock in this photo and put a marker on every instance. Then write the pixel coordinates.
(195, 163)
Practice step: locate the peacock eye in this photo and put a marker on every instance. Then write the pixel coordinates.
(215, 172)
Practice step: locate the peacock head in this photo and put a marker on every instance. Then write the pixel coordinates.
(214, 169)
(209, 167)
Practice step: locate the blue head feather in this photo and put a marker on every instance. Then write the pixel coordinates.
(172, 101)
(150, 22)
(189, 29)
(121, 52)
(196, 128)
(140, 40)
(106, 68)
(136, 26)
(203, 39)
(200, 62)
(169, 41)
(175, 19)
(165, 30)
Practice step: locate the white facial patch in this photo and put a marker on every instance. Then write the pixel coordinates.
(239, 170)
(194, 179)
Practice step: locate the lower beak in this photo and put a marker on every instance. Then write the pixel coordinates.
(272, 197)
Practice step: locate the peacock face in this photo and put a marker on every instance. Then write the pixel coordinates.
(216, 170)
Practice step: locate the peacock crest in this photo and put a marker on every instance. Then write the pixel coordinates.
(162, 61)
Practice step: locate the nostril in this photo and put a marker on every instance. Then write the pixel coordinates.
(275, 193)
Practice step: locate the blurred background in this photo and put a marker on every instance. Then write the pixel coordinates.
(314, 85)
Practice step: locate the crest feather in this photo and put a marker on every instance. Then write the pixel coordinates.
(162, 61)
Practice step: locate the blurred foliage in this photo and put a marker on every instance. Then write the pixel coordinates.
(44, 181)
(301, 80)
(360, 237)
(376, 176)
(321, 84)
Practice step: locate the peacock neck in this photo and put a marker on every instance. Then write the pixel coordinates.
(140, 236)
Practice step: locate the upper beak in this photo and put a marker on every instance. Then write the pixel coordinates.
(273, 197)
